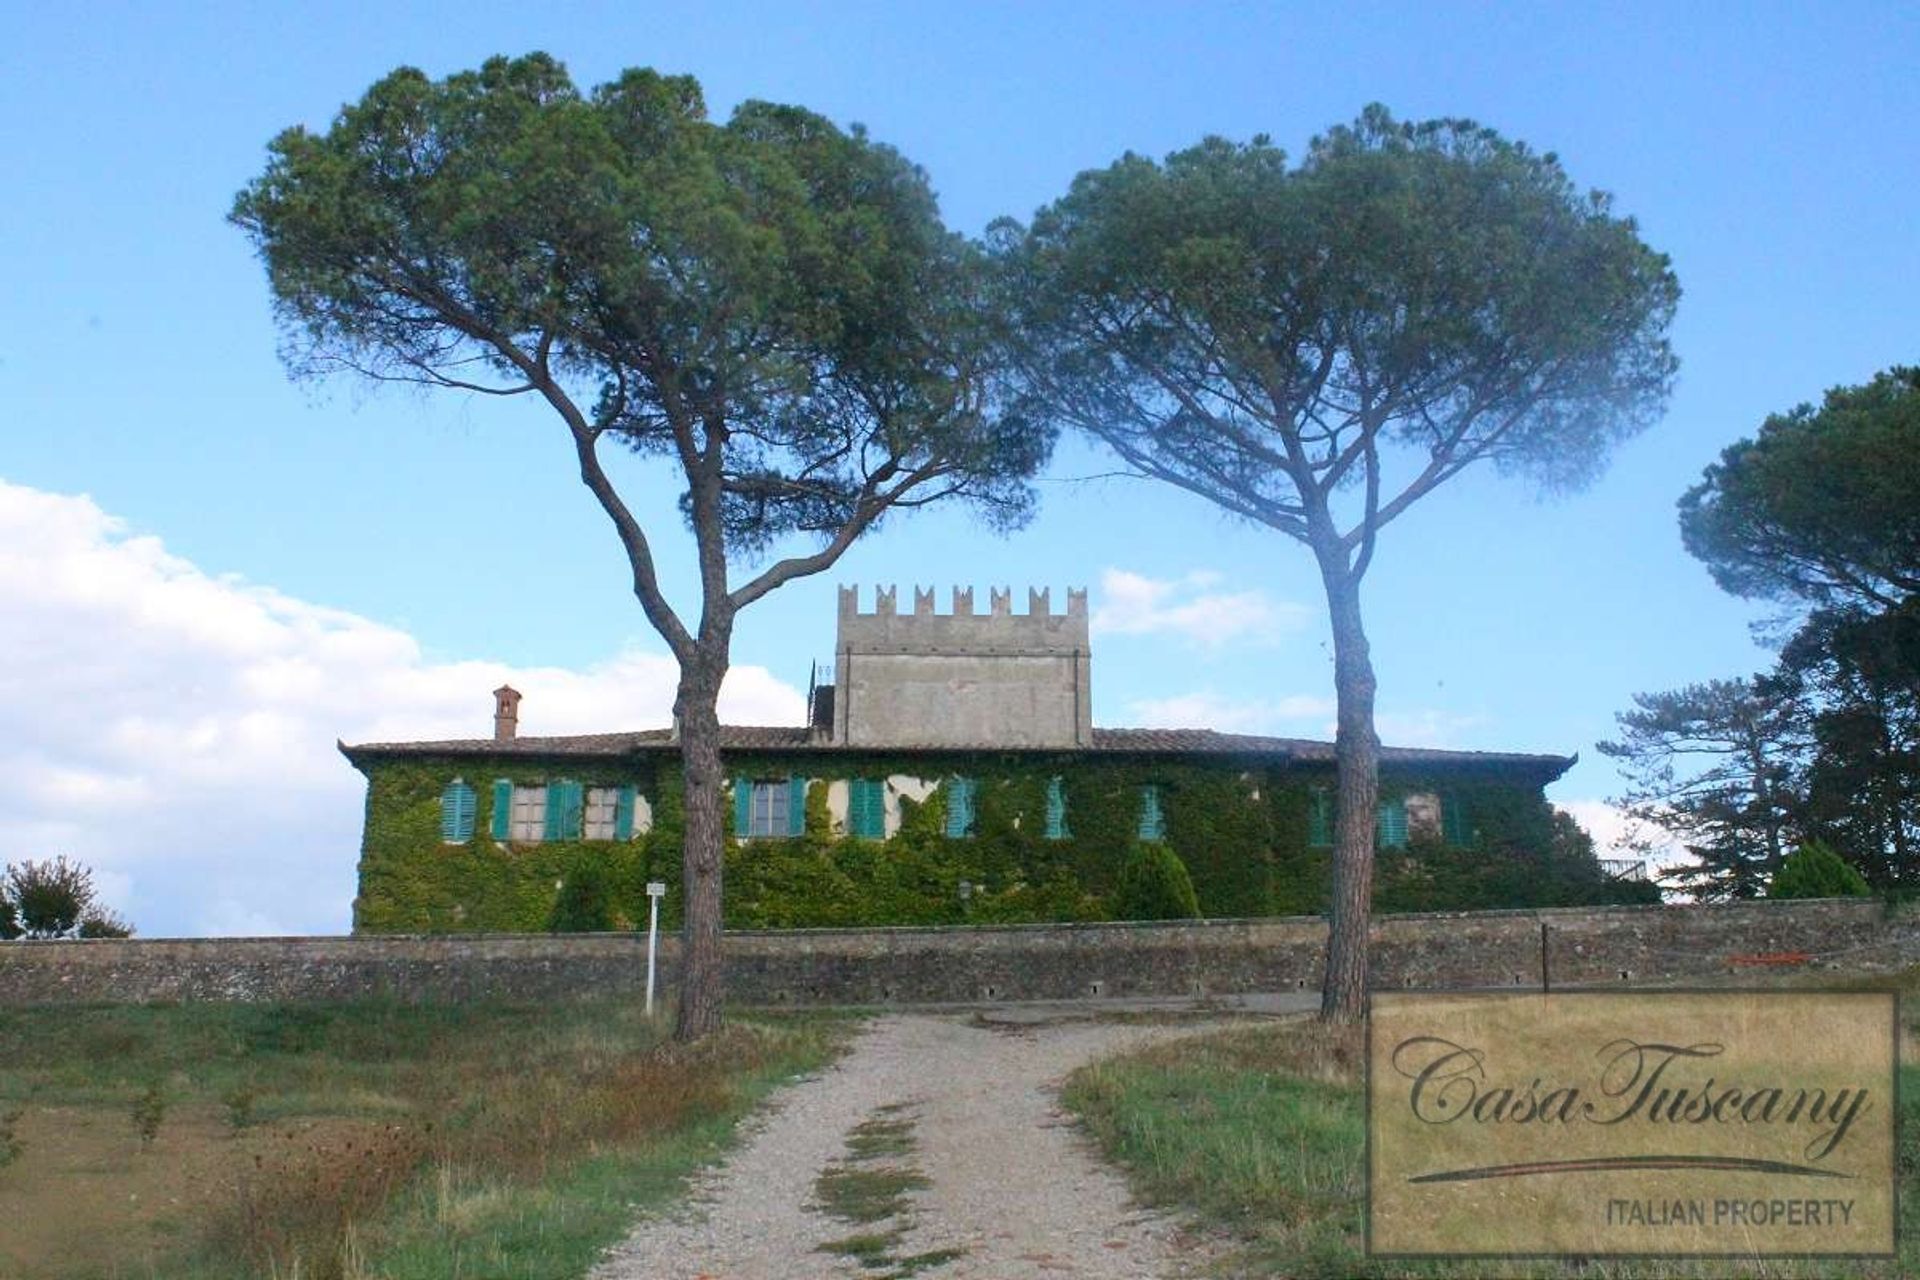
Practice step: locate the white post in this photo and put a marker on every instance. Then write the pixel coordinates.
(655, 891)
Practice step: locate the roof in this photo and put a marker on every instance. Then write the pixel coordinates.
(1162, 742)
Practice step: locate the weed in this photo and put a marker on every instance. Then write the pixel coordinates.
(861, 1190)
(147, 1113)
(239, 1102)
(866, 1195)
(874, 1138)
(869, 1249)
(10, 1144)
(914, 1264)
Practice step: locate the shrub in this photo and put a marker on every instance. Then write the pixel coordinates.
(148, 1110)
(10, 1144)
(1814, 870)
(585, 904)
(1154, 885)
(239, 1102)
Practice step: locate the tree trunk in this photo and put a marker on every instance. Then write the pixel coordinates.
(1356, 751)
(696, 711)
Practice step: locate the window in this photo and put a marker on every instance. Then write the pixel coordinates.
(769, 807)
(771, 815)
(1423, 815)
(609, 814)
(1057, 810)
(1320, 818)
(1454, 826)
(456, 812)
(960, 794)
(529, 815)
(1390, 824)
(1153, 823)
(867, 808)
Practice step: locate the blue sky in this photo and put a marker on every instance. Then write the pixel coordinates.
(257, 567)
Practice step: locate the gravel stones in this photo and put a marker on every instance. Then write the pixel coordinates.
(1013, 1190)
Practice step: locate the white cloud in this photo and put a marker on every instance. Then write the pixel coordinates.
(1614, 834)
(1188, 606)
(175, 729)
(1606, 824)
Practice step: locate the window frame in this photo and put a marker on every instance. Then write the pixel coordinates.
(769, 798)
(527, 815)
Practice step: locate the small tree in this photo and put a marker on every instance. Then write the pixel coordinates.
(772, 306)
(1815, 871)
(1317, 348)
(1154, 885)
(55, 899)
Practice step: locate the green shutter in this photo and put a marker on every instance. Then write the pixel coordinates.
(502, 809)
(1153, 823)
(563, 810)
(867, 809)
(1319, 818)
(959, 807)
(623, 814)
(1390, 824)
(796, 806)
(1057, 809)
(456, 813)
(1453, 821)
(742, 807)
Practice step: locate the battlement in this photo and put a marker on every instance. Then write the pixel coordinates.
(1000, 603)
(962, 677)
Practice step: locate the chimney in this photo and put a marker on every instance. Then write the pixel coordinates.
(506, 713)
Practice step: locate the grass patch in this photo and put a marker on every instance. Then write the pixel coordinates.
(870, 1249)
(866, 1195)
(366, 1138)
(880, 1137)
(1261, 1134)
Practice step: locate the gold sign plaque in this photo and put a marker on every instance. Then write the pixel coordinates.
(1737, 1123)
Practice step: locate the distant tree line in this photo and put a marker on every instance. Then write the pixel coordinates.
(1820, 513)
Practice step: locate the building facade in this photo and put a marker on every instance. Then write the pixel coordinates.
(949, 771)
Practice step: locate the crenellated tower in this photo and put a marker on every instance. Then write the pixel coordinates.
(962, 678)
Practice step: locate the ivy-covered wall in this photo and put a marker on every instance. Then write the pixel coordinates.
(1240, 827)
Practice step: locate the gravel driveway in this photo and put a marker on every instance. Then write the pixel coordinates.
(1007, 1188)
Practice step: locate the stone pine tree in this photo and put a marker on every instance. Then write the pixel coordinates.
(1713, 766)
(770, 307)
(1317, 347)
(1819, 511)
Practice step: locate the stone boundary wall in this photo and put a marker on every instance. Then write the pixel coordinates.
(1584, 946)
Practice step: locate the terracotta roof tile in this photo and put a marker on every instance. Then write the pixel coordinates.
(794, 737)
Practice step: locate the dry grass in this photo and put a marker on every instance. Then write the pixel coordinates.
(379, 1139)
